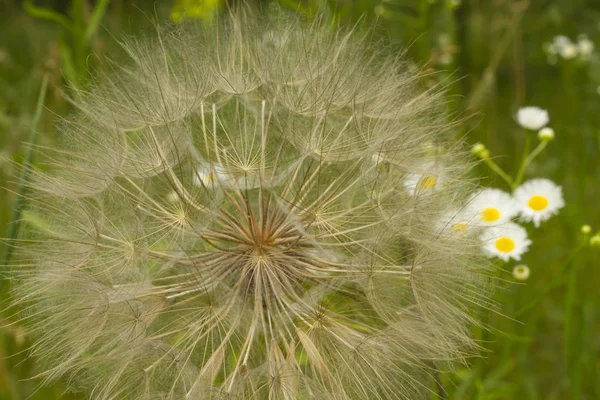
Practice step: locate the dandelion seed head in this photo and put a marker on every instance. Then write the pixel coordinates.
(251, 209)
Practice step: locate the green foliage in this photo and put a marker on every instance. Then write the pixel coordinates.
(75, 35)
(194, 9)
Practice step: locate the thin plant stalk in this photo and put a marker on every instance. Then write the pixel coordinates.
(24, 178)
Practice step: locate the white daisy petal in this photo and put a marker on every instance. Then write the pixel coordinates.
(538, 200)
(505, 242)
(493, 207)
(533, 118)
(209, 175)
(430, 180)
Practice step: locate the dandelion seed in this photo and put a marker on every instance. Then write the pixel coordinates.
(521, 272)
(538, 200)
(532, 118)
(506, 241)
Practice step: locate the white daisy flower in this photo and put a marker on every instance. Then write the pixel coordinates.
(560, 41)
(538, 200)
(209, 175)
(429, 181)
(506, 241)
(493, 207)
(532, 118)
(569, 51)
(521, 272)
(458, 222)
(585, 46)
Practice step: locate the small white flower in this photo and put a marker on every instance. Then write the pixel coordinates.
(209, 175)
(506, 241)
(532, 118)
(585, 46)
(569, 51)
(493, 207)
(458, 222)
(429, 181)
(561, 45)
(538, 200)
(521, 272)
(561, 41)
(546, 134)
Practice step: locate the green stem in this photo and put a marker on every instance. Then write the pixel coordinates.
(496, 168)
(23, 179)
(524, 163)
(557, 281)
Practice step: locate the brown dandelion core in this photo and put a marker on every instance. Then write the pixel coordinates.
(259, 249)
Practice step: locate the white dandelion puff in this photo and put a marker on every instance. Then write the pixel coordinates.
(239, 217)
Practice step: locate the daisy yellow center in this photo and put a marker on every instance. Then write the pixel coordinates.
(427, 182)
(460, 227)
(490, 214)
(505, 244)
(538, 203)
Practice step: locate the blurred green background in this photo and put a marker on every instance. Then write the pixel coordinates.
(543, 341)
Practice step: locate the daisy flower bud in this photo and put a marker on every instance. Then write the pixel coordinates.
(505, 241)
(586, 229)
(532, 118)
(538, 200)
(480, 151)
(249, 210)
(595, 240)
(546, 134)
(521, 272)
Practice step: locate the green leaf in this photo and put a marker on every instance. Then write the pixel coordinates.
(47, 14)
